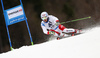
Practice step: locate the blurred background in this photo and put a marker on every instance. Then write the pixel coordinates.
(65, 10)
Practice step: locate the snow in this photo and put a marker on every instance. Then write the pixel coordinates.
(86, 45)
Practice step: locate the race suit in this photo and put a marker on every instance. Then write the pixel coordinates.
(50, 25)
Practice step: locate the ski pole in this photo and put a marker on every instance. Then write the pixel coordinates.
(75, 20)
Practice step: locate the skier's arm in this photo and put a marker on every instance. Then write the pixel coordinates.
(56, 20)
(45, 31)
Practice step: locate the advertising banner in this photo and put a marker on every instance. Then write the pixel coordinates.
(14, 15)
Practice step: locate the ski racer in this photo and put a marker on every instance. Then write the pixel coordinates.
(50, 25)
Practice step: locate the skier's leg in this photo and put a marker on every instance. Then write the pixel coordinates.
(59, 36)
(58, 33)
(60, 30)
(66, 30)
(70, 30)
(61, 27)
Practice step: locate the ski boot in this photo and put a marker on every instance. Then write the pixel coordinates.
(76, 32)
(58, 38)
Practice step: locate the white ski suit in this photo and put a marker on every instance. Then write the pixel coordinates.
(50, 25)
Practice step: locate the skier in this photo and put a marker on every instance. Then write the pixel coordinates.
(50, 25)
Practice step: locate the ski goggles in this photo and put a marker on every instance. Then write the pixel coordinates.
(43, 18)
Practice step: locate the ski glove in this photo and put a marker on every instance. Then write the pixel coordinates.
(51, 32)
(57, 23)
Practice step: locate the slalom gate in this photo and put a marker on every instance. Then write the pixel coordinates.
(15, 15)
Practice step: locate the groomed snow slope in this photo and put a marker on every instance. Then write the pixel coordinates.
(86, 45)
